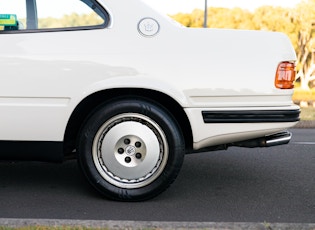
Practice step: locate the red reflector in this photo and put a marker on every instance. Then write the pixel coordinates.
(285, 75)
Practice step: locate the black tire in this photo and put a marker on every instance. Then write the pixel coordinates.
(131, 149)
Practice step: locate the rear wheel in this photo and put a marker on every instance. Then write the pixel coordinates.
(131, 149)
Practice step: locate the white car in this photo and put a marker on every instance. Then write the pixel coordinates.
(129, 91)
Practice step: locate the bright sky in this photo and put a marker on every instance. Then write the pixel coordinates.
(187, 6)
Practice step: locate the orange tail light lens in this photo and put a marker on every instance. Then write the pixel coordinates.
(285, 75)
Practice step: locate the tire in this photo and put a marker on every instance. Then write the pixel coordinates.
(131, 149)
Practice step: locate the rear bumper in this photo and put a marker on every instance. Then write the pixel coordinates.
(218, 126)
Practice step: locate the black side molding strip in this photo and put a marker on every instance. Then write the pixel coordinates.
(253, 116)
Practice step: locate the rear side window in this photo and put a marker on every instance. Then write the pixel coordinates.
(50, 15)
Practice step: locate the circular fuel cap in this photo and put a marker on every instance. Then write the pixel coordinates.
(148, 27)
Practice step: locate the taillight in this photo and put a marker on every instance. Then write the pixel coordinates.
(285, 75)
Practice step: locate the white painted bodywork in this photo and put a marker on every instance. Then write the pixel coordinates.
(45, 75)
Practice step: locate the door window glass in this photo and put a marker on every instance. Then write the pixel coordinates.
(66, 13)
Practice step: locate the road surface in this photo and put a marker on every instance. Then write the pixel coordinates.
(275, 185)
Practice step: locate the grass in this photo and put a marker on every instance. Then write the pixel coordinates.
(49, 228)
(303, 95)
(307, 114)
(308, 97)
(43, 228)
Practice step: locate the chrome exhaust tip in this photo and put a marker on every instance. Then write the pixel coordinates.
(281, 138)
(278, 139)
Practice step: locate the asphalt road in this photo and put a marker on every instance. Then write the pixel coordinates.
(275, 185)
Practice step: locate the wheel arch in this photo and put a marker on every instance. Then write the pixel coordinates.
(91, 102)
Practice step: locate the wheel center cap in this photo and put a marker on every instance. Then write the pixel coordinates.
(130, 150)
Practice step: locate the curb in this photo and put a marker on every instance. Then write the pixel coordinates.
(17, 223)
